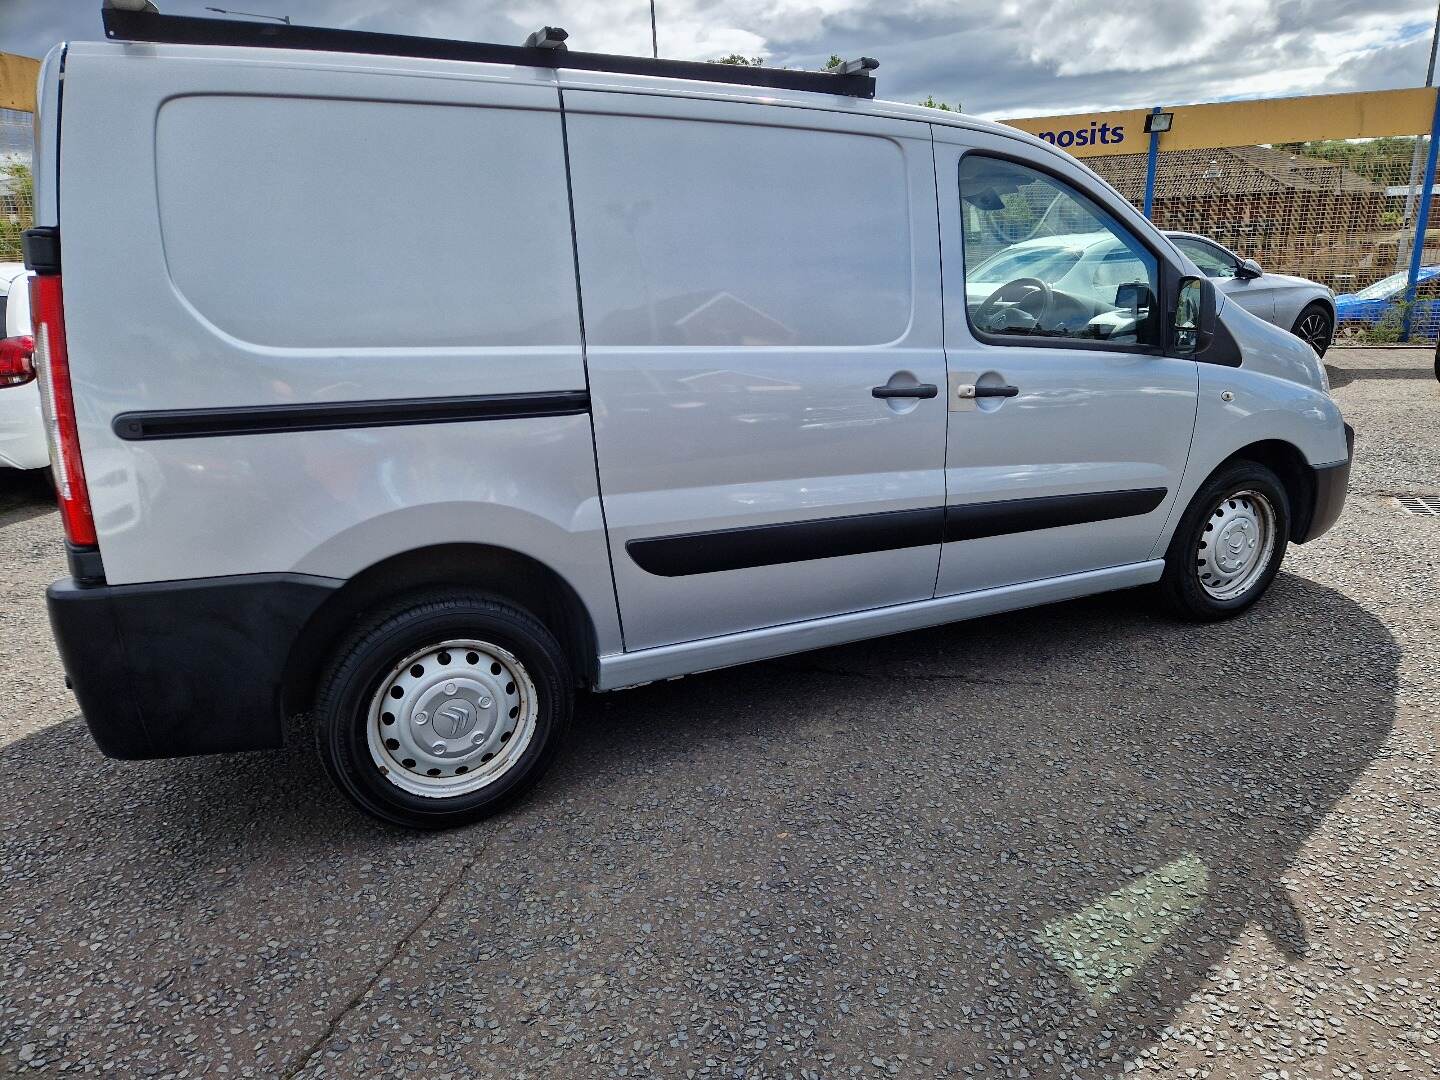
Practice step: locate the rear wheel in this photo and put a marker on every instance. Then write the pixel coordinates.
(443, 710)
(1229, 545)
(1316, 327)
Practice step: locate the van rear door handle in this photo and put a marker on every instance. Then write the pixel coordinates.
(920, 390)
(970, 390)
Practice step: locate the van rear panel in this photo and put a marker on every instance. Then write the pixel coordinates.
(321, 311)
(244, 229)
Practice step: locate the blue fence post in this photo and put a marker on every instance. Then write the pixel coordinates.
(1422, 221)
(1150, 164)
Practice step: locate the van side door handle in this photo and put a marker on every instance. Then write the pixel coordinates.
(920, 390)
(970, 390)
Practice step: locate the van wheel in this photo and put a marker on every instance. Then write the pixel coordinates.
(1229, 545)
(1315, 327)
(442, 710)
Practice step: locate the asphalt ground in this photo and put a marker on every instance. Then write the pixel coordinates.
(1081, 840)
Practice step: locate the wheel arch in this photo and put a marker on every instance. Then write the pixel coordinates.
(502, 572)
(1287, 462)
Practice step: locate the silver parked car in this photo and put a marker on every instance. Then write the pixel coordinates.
(1304, 307)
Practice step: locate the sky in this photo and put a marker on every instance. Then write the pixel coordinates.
(1000, 58)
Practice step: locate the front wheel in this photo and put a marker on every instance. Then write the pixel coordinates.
(1228, 547)
(1316, 327)
(442, 710)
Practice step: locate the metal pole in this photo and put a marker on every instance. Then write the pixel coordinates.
(655, 41)
(1415, 155)
(1422, 219)
(1150, 164)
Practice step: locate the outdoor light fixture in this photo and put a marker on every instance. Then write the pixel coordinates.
(1159, 122)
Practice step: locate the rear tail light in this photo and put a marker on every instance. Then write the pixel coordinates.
(16, 364)
(52, 365)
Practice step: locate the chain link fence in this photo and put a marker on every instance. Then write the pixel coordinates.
(17, 189)
(1341, 213)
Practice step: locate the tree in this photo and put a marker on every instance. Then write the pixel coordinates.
(833, 63)
(736, 60)
(931, 103)
(17, 207)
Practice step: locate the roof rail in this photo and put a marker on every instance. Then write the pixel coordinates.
(144, 26)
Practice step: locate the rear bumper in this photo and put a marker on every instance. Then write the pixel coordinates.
(1331, 484)
(184, 667)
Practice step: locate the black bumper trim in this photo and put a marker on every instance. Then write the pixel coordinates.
(1331, 484)
(182, 667)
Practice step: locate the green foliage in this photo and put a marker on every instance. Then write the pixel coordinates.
(931, 103)
(1388, 330)
(1383, 161)
(18, 211)
(736, 60)
(833, 63)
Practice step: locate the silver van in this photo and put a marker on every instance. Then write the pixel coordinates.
(421, 384)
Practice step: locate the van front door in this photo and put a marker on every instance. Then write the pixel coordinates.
(1069, 429)
(760, 290)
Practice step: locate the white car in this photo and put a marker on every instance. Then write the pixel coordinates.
(1304, 307)
(1091, 266)
(22, 431)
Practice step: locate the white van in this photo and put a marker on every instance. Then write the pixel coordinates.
(421, 384)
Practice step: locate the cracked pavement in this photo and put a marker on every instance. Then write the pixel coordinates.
(1081, 840)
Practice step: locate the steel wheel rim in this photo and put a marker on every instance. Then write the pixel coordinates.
(1315, 330)
(1235, 546)
(451, 718)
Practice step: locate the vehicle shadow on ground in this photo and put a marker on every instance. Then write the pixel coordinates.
(24, 495)
(1023, 840)
(1340, 376)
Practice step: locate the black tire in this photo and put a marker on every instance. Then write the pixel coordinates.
(1437, 361)
(1181, 586)
(369, 657)
(1315, 325)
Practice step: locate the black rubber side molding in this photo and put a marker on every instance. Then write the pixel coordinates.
(977, 520)
(826, 538)
(331, 416)
(770, 545)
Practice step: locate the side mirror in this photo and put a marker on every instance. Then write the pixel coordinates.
(1248, 270)
(1193, 327)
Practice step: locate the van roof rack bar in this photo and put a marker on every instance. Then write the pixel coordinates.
(142, 26)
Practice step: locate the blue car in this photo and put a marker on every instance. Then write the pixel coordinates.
(1370, 305)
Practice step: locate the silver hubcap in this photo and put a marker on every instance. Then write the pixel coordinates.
(1236, 546)
(1315, 330)
(451, 718)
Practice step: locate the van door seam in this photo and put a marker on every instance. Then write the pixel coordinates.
(585, 361)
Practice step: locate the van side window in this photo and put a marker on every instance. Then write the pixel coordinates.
(1044, 261)
(732, 235)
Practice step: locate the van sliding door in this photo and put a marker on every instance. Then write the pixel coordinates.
(760, 291)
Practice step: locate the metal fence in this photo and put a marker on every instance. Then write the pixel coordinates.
(17, 204)
(1341, 213)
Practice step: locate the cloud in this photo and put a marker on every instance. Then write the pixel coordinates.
(1003, 58)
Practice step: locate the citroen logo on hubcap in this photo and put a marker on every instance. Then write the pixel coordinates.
(454, 719)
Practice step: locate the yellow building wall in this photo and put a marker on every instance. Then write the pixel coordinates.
(1367, 115)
